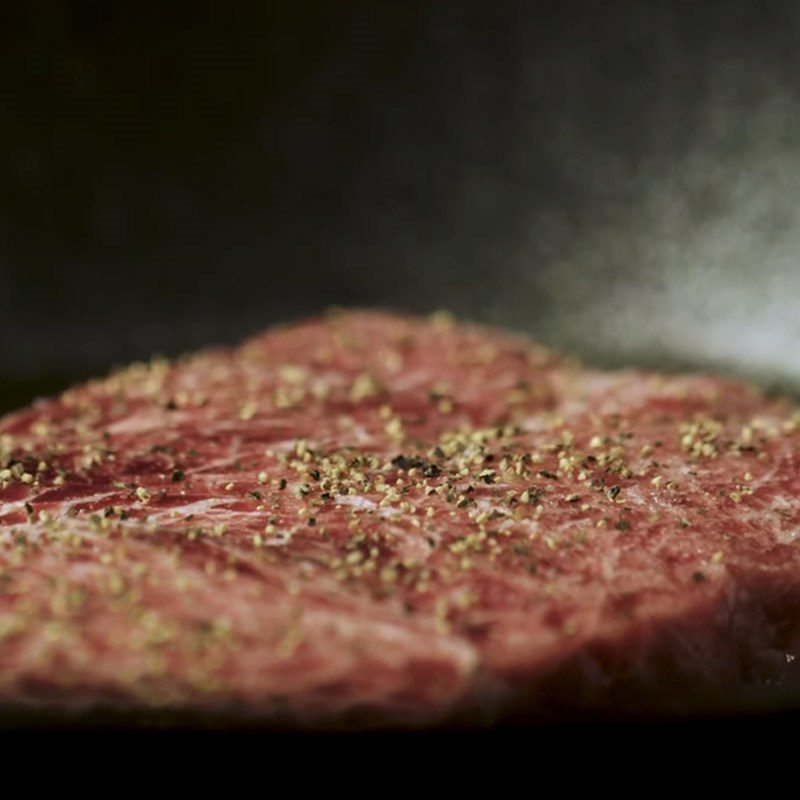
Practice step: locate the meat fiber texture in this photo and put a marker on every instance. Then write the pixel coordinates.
(371, 519)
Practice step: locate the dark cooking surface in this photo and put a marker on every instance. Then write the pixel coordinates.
(599, 733)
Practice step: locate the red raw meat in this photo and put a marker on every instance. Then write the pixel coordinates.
(376, 519)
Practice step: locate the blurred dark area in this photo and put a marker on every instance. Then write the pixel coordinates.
(618, 179)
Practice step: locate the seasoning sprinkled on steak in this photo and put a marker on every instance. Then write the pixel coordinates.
(384, 518)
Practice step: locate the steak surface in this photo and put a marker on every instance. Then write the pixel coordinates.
(376, 519)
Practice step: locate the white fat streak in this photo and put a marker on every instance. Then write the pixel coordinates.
(363, 504)
(53, 506)
(361, 435)
(507, 521)
(141, 422)
(383, 631)
(197, 507)
(354, 434)
(35, 531)
(535, 424)
(224, 464)
(356, 501)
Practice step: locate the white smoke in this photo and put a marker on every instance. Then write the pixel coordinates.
(695, 258)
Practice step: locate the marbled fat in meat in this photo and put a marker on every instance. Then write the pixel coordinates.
(371, 518)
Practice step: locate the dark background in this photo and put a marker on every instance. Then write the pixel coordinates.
(619, 179)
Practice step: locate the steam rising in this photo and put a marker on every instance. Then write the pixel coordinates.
(701, 267)
(631, 194)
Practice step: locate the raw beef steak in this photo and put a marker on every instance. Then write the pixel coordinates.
(376, 519)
